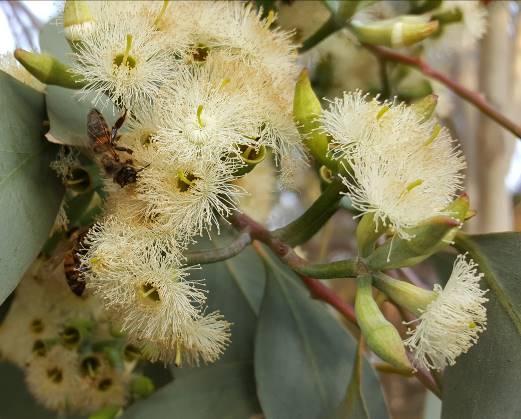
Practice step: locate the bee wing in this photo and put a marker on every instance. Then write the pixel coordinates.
(97, 128)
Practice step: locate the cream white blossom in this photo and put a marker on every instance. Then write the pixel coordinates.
(204, 339)
(403, 169)
(173, 189)
(54, 380)
(459, 35)
(451, 324)
(123, 56)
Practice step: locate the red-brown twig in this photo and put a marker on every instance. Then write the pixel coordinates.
(322, 292)
(470, 96)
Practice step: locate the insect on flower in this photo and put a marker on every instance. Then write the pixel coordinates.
(104, 144)
(72, 263)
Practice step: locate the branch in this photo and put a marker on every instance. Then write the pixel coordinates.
(322, 292)
(470, 96)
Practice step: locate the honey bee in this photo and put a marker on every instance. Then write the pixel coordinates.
(104, 144)
(72, 263)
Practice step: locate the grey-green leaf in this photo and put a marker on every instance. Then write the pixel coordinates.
(67, 109)
(353, 406)
(303, 356)
(224, 391)
(30, 193)
(485, 382)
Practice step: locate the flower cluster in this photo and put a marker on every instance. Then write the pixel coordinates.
(402, 167)
(62, 341)
(208, 90)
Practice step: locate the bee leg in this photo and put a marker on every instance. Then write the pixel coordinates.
(115, 155)
(125, 149)
(117, 126)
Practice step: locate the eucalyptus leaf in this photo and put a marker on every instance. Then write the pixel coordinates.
(303, 356)
(67, 109)
(30, 193)
(353, 406)
(485, 382)
(224, 391)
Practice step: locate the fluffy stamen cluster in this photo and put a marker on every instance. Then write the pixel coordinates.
(47, 333)
(450, 324)
(466, 25)
(403, 168)
(151, 296)
(208, 87)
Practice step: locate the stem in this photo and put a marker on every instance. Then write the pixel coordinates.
(203, 257)
(384, 79)
(328, 28)
(341, 269)
(470, 96)
(322, 292)
(305, 227)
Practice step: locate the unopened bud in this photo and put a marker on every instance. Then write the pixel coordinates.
(406, 295)
(382, 337)
(425, 240)
(77, 20)
(141, 386)
(367, 232)
(306, 112)
(48, 69)
(398, 32)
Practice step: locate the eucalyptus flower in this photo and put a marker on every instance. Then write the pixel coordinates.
(451, 323)
(462, 25)
(123, 56)
(403, 168)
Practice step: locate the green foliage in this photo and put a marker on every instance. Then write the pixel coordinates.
(66, 112)
(30, 193)
(485, 382)
(303, 356)
(353, 406)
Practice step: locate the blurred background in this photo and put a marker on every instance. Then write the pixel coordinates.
(492, 67)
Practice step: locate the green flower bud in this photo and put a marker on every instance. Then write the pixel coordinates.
(428, 238)
(406, 295)
(141, 386)
(306, 112)
(382, 337)
(48, 69)
(396, 32)
(367, 234)
(106, 413)
(77, 20)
